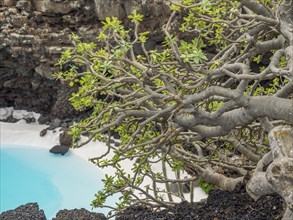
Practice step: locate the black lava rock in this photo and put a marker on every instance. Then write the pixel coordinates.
(28, 211)
(10, 119)
(44, 119)
(30, 120)
(78, 214)
(59, 149)
(65, 139)
(220, 205)
(43, 132)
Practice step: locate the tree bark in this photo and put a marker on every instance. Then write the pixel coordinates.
(279, 176)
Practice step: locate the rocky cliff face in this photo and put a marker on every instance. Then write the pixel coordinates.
(33, 34)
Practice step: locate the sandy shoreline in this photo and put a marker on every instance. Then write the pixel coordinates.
(21, 133)
(29, 134)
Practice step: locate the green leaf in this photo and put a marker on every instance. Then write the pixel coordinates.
(257, 59)
(205, 186)
(102, 36)
(174, 7)
(135, 18)
(75, 37)
(205, 5)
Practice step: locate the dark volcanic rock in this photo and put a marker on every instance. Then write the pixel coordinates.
(10, 119)
(43, 132)
(220, 205)
(62, 108)
(65, 139)
(44, 119)
(29, 211)
(35, 32)
(59, 149)
(78, 214)
(30, 120)
(55, 123)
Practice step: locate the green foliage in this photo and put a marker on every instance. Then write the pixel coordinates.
(207, 187)
(174, 7)
(210, 30)
(257, 59)
(75, 132)
(269, 3)
(100, 199)
(117, 85)
(177, 165)
(135, 18)
(213, 106)
(275, 85)
(191, 52)
(113, 24)
(283, 62)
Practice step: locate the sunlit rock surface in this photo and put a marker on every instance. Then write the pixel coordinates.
(33, 33)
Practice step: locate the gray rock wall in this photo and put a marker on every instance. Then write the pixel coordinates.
(33, 34)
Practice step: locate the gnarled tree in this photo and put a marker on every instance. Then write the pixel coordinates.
(203, 101)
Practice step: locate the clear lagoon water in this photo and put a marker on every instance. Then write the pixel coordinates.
(30, 174)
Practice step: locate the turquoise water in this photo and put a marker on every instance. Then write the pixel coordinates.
(53, 181)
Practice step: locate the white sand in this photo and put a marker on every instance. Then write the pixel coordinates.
(21, 133)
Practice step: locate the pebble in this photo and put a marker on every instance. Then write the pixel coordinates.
(43, 132)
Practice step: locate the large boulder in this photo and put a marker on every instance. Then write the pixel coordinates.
(78, 214)
(57, 6)
(29, 211)
(104, 8)
(59, 149)
(65, 139)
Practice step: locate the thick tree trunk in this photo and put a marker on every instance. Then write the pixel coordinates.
(279, 176)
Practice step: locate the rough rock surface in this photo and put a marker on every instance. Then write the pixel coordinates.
(25, 212)
(78, 214)
(65, 139)
(31, 211)
(33, 34)
(59, 149)
(220, 205)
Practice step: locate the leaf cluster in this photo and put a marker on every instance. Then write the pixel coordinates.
(175, 106)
